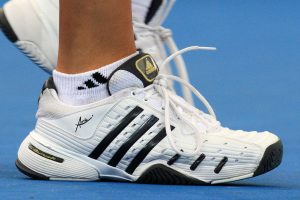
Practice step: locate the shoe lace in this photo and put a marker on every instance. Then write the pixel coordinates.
(165, 36)
(181, 108)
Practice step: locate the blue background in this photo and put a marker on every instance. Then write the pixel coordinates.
(252, 81)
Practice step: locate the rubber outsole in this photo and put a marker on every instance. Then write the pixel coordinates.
(161, 174)
(271, 159)
(30, 173)
(6, 28)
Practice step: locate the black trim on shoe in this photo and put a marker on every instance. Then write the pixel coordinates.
(95, 154)
(132, 140)
(271, 158)
(6, 28)
(30, 173)
(161, 174)
(49, 84)
(138, 159)
(143, 66)
(173, 159)
(221, 165)
(197, 162)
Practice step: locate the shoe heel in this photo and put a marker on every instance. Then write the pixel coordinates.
(41, 162)
(21, 23)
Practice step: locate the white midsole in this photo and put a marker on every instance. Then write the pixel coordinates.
(103, 170)
(93, 169)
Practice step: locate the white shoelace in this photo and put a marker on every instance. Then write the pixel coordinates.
(160, 33)
(179, 107)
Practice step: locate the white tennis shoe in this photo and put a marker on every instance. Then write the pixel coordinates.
(142, 133)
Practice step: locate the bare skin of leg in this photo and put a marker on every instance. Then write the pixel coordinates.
(94, 33)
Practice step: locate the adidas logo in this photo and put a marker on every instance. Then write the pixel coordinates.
(147, 68)
(150, 68)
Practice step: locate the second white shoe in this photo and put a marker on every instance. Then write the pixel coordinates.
(142, 133)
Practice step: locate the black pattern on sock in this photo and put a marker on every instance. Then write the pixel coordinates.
(90, 83)
(99, 78)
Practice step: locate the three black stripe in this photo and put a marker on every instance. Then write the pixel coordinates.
(132, 139)
(96, 153)
(114, 133)
(142, 154)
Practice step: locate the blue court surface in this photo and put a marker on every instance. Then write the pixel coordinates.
(252, 81)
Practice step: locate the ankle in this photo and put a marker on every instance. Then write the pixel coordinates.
(87, 87)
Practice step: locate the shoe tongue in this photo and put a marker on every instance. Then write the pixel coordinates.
(139, 71)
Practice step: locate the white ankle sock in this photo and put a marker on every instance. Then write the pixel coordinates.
(85, 88)
(140, 9)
